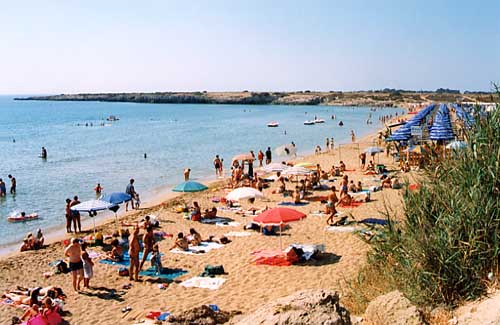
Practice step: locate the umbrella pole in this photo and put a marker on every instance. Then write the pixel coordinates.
(281, 244)
(93, 219)
(116, 221)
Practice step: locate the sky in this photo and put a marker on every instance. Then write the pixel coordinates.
(65, 46)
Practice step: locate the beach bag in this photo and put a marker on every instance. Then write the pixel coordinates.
(62, 267)
(212, 270)
(123, 271)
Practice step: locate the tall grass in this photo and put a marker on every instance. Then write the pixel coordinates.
(450, 238)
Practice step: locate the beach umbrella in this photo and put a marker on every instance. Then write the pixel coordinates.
(373, 150)
(116, 197)
(456, 145)
(243, 193)
(244, 157)
(278, 217)
(286, 150)
(190, 186)
(308, 165)
(275, 167)
(92, 206)
(297, 171)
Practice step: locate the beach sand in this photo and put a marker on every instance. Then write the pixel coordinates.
(247, 286)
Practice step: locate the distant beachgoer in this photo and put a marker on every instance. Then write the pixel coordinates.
(44, 153)
(186, 174)
(327, 145)
(137, 199)
(133, 252)
(353, 136)
(13, 184)
(181, 242)
(332, 144)
(260, 157)
(68, 216)
(3, 190)
(74, 252)
(148, 241)
(130, 190)
(268, 156)
(217, 165)
(75, 215)
(362, 157)
(88, 266)
(145, 156)
(98, 189)
(341, 123)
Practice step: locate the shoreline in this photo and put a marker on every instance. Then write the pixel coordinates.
(152, 199)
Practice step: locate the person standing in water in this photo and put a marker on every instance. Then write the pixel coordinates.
(260, 157)
(3, 190)
(217, 165)
(187, 171)
(44, 153)
(98, 189)
(76, 215)
(13, 184)
(68, 216)
(268, 156)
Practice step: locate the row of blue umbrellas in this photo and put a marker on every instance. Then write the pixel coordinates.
(441, 127)
(464, 115)
(404, 132)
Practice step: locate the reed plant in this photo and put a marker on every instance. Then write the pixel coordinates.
(447, 248)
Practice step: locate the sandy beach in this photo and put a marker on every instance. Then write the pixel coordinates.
(246, 285)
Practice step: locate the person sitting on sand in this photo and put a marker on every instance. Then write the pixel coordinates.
(406, 167)
(395, 184)
(25, 246)
(370, 167)
(195, 212)
(210, 214)
(281, 183)
(260, 184)
(324, 175)
(195, 237)
(342, 166)
(345, 200)
(116, 254)
(386, 182)
(181, 242)
(359, 188)
(39, 238)
(352, 187)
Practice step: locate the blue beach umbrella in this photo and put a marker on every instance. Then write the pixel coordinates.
(116, 197)
(190, 186)
(92, 207)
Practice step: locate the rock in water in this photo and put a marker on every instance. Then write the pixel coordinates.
(303, 307)
(392, 308)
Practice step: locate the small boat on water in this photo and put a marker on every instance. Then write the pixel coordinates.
(319, 120)
(112, 118)
(19, 217)
(273, 124)
(309, 123)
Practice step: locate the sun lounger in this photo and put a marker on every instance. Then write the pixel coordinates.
(204, 283)
(228, 224)
(342, 228)
(204, 247)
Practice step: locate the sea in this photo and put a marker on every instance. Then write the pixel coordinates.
(85, 149)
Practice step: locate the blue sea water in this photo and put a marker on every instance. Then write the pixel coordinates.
(173, 136)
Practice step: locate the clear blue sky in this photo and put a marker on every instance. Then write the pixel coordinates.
(107, 46)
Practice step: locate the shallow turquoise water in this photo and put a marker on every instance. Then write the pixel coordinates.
(173, 136)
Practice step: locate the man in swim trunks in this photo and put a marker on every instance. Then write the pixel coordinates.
(268, 156)
(133, 252)
(13, 184)
(217, 165)
(74, 253)
(148, 240)
(344, 186)
(76, 215)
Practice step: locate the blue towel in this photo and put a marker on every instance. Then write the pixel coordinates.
(293, 204)
(375, 221)
(126, 260)
(166, 273)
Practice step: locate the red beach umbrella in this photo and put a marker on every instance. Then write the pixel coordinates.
(279, 217)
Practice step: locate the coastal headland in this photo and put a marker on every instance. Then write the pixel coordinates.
(378, 98)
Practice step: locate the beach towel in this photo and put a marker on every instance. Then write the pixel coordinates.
(375, 221)
(293, 203)
(9, 302)
(215, 220)
(239, 234)
(126, 260)
(228, 224)
(352, 205)
(204, 247)
(204, 283)
(342, 229)
(166, 273)
(273, 257)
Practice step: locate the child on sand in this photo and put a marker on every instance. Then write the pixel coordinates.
(156, 259)
(116, 253)
(88, 266)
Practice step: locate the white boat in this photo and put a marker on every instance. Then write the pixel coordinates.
(273, 124)
(309, 123)
(319, 120)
